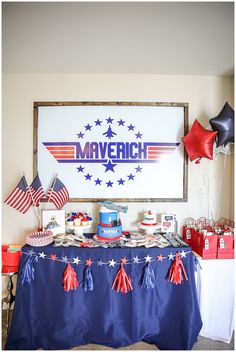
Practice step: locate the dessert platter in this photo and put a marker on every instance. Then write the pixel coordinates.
(77, 222)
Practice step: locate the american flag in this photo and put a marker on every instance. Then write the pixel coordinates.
(20, 199)
(58, 193)
(37, 191)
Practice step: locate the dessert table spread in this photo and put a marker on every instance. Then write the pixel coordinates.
(48, 317)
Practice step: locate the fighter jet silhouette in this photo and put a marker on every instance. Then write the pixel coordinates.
(109, 133)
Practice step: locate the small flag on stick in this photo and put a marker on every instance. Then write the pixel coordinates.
(20, 198)
(58, 194)
(37, 191)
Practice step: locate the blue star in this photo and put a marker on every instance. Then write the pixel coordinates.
(88, 127)
(100, 262)
(131, 127)
(80, 169)
(109, 183)
(109, 166)
(98, 122)
(80, 135)
(138, 169)
(131, 177)
(88, 177)
(109, 120)
(97, 181)
(120, 181)
(121, 122)
(138, 135)
(31, 252)
(64, 259)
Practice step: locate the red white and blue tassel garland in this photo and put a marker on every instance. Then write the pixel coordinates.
(122, 281)
(148, 280)
(27, 273)
(70, 281)
(176, 269)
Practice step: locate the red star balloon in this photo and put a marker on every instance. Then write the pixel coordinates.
(199, 142)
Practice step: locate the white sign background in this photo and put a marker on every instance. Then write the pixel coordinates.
(139, 181)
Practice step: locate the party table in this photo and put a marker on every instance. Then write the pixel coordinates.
(48, 317)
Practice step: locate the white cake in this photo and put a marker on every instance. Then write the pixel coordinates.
(149, 219)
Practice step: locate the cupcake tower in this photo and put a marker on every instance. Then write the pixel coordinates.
(77, 222)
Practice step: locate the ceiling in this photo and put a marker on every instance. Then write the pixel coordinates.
(190, 38)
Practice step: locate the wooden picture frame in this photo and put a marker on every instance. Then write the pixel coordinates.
(158, 131)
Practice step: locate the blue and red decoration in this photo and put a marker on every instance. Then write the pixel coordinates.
(122, 281)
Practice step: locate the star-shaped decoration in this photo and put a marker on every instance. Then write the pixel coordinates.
(111, 262)
(53, 257)
(138, 169)
(100, 262)
(160, 258)
(80, 169)
(183, 254)
(121, 122)
(76, 260)
(109, 166)
(98, 122)
(64, 259)
(31, 252)
(109, 183)
(131, 127)
(136, 260)
(124, 261)
(88, 127)
(42, 255)
(171, 256)
(198, 142)
(88, 177)
(88, 262)
(97, 181)
(130, 177)
(224, 125)
(148, 258)
(138, 135)
(80, 135)
(109, 120)
(120, 181)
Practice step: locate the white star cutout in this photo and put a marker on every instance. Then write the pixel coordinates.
(111, 262)
(42, 255)
(171, 256)
(148, 258)
(76, 260)
(31, 252)
(183, 254)
(136, 260)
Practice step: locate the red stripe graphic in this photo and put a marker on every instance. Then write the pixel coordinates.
(62, 152)
(155, 153)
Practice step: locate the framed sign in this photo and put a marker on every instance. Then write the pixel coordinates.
(127, 152)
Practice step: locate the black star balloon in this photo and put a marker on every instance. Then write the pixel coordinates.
(224, 125)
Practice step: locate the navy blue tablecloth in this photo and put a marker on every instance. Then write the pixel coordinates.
(47, 317)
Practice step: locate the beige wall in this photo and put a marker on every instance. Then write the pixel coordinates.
(210, 182)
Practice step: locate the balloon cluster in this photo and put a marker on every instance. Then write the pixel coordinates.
(199, 141)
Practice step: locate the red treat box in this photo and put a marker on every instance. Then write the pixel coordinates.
(225, 253)
(188, 235)
(226, 242)
(206, 246)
